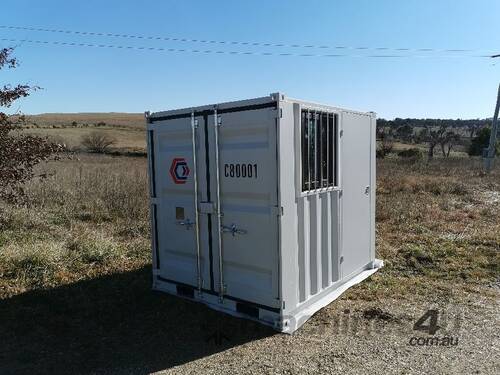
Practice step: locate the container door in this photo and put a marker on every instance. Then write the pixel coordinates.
(248, 193)
(356, 161)
(174, 180)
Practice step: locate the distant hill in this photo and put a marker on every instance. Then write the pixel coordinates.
(128, 120)
(127, 129)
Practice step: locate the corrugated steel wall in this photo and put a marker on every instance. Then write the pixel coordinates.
(318, 229)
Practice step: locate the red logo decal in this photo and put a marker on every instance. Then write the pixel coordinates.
(179, 170)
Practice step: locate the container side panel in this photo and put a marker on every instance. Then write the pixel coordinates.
(334, 226)
(356, 162)
(291, 279)
(326, 240)
(319, 243)
(304, 248)
(314, 244)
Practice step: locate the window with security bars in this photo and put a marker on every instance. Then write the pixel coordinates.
(319, 149)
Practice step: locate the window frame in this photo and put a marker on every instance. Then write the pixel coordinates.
(332, 169)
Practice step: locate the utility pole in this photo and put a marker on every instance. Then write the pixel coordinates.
(489, 153)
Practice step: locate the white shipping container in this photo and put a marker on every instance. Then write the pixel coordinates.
(262, 208)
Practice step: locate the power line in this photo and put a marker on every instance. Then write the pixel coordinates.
(260, 44)
(161, 49)
(208, 51)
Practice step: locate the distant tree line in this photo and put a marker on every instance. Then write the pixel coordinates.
(471, 127)
(442, 134)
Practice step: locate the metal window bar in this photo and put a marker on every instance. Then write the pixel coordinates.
(305, 155)
(319, 143)
(332, 139)
(218, 205)
(320, 122)
(309, 150)
(327, 150)
(315, 145)
(324, 150)
(335, 151)
(194, 127)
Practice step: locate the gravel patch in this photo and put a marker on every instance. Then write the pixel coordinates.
(354, 337)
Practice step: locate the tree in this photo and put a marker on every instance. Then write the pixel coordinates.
(405, 132)
(480, 142)
(442, 136)
(429, 136)
(472, 128)
(98, 142)
(384, 148)
(447, 141)
(19, 153)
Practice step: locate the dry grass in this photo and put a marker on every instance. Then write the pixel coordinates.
(457, 151)
(88, 218)
(128, 120)
(438, 226)
(71, 128)
(438, 229)
(127, 140)
(75, 278)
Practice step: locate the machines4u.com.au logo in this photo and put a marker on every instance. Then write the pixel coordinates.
(179, 170)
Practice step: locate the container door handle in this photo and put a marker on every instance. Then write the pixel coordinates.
(187, 223)
(233, 229)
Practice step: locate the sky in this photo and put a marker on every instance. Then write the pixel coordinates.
(420, 84)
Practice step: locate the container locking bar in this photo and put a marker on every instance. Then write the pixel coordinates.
(194, 126)
(217, 123)
(233, 229)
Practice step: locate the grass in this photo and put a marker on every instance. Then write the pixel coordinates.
(438, 229)
(58, 120)
(127, 139)
(438, 226)
(75, 267)
(128, 129)
(89, 217)
(456, 152)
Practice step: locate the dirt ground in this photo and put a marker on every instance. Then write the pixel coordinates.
(116, 325)
(361, 337)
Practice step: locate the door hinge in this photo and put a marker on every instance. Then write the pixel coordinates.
(277, 210)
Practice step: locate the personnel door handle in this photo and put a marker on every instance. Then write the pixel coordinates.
(233, 229)
(187, 223)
